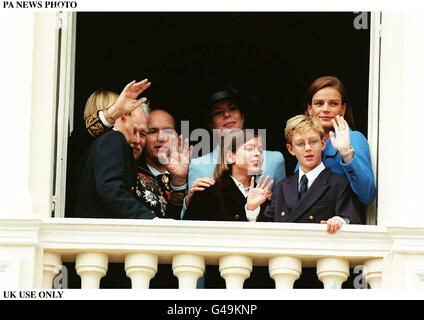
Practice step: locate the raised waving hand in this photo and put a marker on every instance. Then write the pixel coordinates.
(259, 194)
(177, 160)
(127, 100)
(340, 138)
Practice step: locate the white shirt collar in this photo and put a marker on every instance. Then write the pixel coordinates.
(242, 188)
(155, 171)
(311, 175)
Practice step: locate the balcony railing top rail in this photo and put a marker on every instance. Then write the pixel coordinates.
(285, 248)
(212, 239)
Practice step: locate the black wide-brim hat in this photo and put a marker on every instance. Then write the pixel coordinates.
(249, 106)
(243, 101)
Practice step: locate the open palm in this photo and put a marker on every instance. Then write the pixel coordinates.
(259, 194)
(341, 139)
(178, 160)
(127, 100)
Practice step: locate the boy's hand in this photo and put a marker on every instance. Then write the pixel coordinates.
(333, 224)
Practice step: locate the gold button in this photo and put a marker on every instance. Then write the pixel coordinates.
(311, 217)
(283, 214)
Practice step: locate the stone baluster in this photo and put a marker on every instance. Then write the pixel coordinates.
(188, 268)
(235, 269)
(141, 268)
(51, 266)
(332, 272)
(373, 273)
(91, 267)
(285, 271)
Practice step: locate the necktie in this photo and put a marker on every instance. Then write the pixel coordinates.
(303, 186)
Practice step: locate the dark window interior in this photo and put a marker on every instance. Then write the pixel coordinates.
(272, 55)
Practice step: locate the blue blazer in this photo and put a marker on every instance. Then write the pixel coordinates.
(358, 171)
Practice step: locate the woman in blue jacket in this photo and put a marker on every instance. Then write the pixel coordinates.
(226, 115)
(347, 152)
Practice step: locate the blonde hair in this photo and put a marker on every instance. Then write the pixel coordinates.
(301, 123)
(231, 142)
(99, 100)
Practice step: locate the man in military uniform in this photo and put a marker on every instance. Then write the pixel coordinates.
(162, 167)
(107, 173)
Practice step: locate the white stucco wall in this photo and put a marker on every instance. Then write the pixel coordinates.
(16, 62)
(400, 193)
(28, 82)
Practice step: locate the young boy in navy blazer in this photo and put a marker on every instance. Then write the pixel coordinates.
(314, 194)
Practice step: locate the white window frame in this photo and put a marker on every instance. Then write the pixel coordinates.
(65, 105)
(373, 105)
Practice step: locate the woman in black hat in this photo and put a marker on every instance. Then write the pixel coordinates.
(226, 115)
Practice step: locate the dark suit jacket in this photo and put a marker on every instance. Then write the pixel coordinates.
(221, 202)
(330, 195)
(107, 179)
(78, 143)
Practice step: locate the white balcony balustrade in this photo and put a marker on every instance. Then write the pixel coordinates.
(91, 267)
(285, 271)
(373, 273)
(235, 269)
(285, 248)
(141, 268)
(51, 268)
(188, 268)
(332, 272)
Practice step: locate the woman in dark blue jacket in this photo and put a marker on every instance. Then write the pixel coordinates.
(347, 152)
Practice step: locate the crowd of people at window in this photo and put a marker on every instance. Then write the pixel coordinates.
(129, 162)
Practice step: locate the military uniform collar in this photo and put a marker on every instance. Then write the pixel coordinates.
(154, 171)
(147, 169)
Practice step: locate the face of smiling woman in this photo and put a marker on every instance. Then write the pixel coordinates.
(325, 106)
(226, 116)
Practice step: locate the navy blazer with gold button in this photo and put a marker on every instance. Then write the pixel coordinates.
(329, 195)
